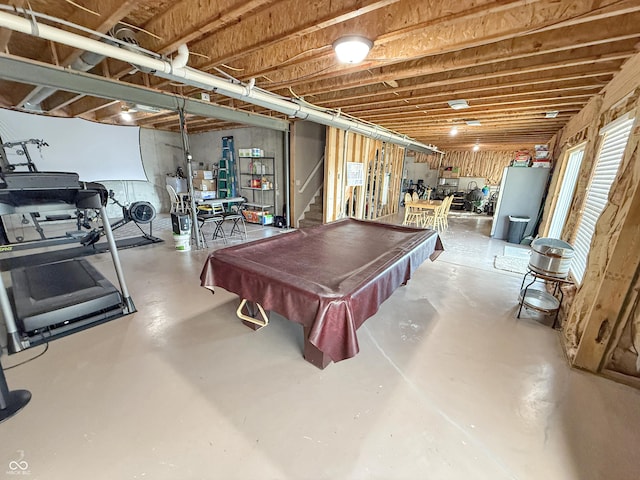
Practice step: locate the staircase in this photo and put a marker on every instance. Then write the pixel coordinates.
(314, 215)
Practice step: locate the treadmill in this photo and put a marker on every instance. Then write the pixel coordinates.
(55, 299)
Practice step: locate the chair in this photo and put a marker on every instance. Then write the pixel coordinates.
(415, 197)
(445, 214)
(437, 220)
(214, 215)
(238, 221)
(411, 215)
(177, 203)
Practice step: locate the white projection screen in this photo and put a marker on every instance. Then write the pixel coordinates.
(95, 151)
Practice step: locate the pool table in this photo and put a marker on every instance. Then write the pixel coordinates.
(329, 278)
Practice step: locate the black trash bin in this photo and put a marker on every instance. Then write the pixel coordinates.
(517, 226)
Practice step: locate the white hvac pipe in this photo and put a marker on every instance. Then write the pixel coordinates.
(207, 81)
(181, 59)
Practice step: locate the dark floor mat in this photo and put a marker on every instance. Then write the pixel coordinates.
(75, 252)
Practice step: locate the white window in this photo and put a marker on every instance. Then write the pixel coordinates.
(616, 135)
(567, 189)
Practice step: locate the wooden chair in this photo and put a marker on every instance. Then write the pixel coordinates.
(449, 201)
(411, 215)
(437, 220)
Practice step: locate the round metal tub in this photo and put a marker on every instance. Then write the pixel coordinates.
(550, 256)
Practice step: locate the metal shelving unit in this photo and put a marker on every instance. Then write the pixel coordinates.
(258, 183)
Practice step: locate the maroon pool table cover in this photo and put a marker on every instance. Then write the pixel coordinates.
(330, 278)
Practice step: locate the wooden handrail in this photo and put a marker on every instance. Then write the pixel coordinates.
(312, 174)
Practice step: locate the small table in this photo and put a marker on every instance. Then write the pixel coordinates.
(540, 300)
(425, 204)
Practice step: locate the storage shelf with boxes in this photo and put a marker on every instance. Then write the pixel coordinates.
(205, 181)
(257, 183)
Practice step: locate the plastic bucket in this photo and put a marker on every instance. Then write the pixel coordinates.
(183, 242)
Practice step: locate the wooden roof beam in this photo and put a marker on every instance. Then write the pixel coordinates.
(284, 20)
(476, 114)
(111, 12)
(184, 22)
(395, 22)
(604, 33)
(443, 31)
(605, 72)
(492, 90)
(477, 103)
(511, 68)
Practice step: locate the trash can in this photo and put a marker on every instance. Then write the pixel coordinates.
(517, 226)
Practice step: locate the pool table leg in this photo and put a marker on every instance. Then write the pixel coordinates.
(249, 313)
(312, 354)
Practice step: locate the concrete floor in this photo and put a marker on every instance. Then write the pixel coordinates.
(448, 384)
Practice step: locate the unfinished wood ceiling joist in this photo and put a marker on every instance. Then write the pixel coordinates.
(504, 57)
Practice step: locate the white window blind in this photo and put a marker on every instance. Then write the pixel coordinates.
(567, 189)
(615, 140)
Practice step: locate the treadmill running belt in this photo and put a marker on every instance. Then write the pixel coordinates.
(57, 293)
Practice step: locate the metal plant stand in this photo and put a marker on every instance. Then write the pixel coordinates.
(541, 300)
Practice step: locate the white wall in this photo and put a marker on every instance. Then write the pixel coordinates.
(161, 154)
(420, 171)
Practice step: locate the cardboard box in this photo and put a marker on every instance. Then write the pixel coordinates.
(203, 174)
(541, 164)
(251, 216)
(244, 152)
(205, 185)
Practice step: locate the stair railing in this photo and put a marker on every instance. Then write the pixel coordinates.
(311, 175)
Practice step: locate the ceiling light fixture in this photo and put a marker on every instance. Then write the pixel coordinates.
(454, 131)
(126, 116)
(551, 114)
(473, 123)
(476, 147)
(352, 48)
(458, 104)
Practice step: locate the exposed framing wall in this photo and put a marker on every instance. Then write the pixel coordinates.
(604, 304)
(379, 160)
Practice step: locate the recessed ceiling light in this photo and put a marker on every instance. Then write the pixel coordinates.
(476, 147)
(458, 104)
(551, 114)
(473, 123)
(352, 48)
(454, 131)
